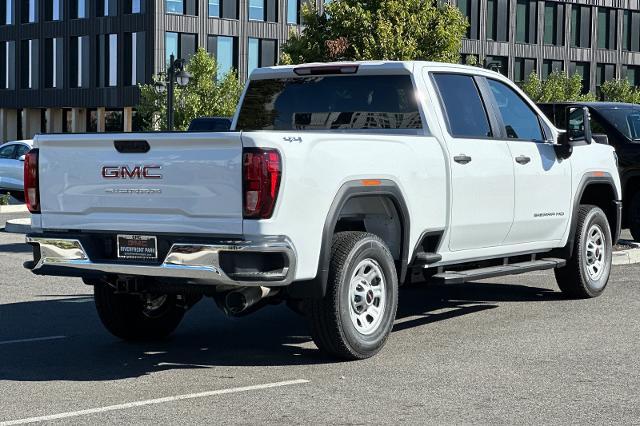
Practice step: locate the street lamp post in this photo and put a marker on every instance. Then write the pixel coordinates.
(175, 74)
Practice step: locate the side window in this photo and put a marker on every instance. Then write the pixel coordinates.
(520, 121)
(7, 151)
(20, 151)
(464, 108)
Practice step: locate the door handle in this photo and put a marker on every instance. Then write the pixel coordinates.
(522, 159)
(462, 159)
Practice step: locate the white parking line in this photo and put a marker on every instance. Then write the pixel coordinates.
(151, 402)
(34, 339)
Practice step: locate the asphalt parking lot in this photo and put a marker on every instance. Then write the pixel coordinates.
(508, 350)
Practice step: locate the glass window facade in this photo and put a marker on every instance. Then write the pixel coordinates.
(497, 63)
(604, 72)
(182, 7)
(522, 69)
(53, 10)
(7, 13)
(7, 65)
(498, 20)
(53, 65)
(79, 62)
(180, 45)
(214, 8)
(607, 28)
(29, 72)
(256, 10)
(134, 59)
(107, 60)
(293, 12)
(631, 31)
(174, 6)
(261, 53)
(632, 73)
(584, 71)
(580, 26)
(224, 49)
(526, 21)
(28, 11)
(136, 6)
(471, 10)
(554, 23)
(78, 9)
(549, 66)
(107, 7)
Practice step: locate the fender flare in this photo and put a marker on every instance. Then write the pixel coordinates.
(589, 179)
(316, 287)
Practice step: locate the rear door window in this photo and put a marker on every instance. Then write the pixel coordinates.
(20, 151)
(465, 111)
(7, 151)
(330, 102)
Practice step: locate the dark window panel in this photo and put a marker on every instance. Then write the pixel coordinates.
(549, 66)
(268, 53)
(229, 9)
(272, 10)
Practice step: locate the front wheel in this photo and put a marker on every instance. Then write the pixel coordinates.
(354, 318)
(131, 317)
(587, 272)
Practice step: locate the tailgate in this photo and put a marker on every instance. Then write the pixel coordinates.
(184, 183)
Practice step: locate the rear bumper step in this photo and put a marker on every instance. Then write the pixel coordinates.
(459, 277)
(195, 263)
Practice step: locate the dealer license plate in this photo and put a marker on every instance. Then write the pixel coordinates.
(142, 247)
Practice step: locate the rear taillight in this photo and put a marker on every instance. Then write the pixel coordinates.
(31, 182)
(261, 170)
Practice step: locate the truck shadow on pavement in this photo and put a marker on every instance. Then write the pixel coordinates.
(274, 336)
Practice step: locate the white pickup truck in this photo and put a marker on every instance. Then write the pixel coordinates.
(335, 181)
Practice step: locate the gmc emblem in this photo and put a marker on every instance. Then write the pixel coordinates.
(137, 172)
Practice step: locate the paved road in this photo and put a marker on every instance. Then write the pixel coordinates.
(502, 351)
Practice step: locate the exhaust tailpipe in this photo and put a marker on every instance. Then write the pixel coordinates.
(246, 300)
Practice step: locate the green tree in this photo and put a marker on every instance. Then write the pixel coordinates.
(620, 91)
(204, 96)
(378, 30)
(558, 87)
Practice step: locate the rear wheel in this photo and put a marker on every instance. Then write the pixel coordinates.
(634, 216)
(132, 317)
(354, 318)
(587, 272)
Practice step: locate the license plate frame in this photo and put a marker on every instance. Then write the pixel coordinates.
(137, 247)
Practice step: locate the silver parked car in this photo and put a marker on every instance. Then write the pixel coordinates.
(11, 165)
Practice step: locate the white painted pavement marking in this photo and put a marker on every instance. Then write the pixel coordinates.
(150, 402)
(34, 339)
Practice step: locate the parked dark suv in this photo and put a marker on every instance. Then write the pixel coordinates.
(621, 124)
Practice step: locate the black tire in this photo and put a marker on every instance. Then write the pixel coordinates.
(633, 214)
(574, 279)
(125, 316)
(331, 325)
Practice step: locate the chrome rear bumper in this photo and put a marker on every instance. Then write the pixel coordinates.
(196, 263)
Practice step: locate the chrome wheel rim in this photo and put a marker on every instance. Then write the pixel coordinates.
(595, 253)
(367, 296)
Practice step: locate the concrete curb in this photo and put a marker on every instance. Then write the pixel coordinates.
(18, 226)
(626, 257)
(18, 208)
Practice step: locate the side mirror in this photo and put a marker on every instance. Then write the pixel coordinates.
(21, 158)
(578, 125)
(601, 138)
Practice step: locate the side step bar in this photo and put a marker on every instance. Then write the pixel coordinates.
(459, 277)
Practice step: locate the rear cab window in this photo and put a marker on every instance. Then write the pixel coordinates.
(465, 111)
(355, 102)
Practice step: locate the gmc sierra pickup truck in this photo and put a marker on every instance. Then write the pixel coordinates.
(335, 181)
